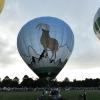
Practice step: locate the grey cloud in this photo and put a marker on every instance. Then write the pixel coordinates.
(86, 50)
(87, 59)
(7, 53)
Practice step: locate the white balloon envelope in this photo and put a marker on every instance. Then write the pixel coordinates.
(45, 44)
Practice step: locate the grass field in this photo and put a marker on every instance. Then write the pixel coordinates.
(74, 95)
(19, 95)
(69, 95)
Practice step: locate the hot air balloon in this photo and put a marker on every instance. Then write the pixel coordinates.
(96, 25)
(1, 5)
(45, 44)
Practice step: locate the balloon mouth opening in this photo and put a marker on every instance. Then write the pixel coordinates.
(47, 72)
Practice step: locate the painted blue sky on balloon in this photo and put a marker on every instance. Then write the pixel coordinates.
(59, 30)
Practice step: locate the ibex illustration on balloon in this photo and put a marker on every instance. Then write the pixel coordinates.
(46, 41)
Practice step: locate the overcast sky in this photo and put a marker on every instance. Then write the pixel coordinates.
(78, 14)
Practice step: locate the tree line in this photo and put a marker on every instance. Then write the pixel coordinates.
(40, 83)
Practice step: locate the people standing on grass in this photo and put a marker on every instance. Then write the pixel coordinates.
(84, 95)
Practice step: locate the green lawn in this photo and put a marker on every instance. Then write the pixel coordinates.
(69, 95)
(19, 95)
(74, 95)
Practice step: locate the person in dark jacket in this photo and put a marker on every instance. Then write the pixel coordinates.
(84, 95)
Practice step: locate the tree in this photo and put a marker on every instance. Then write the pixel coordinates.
(65, 83)
(15, 82)
(27, 82)
(41, 82)
(25, 77)
(0, 83)
(7, 82)
(66, 79)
